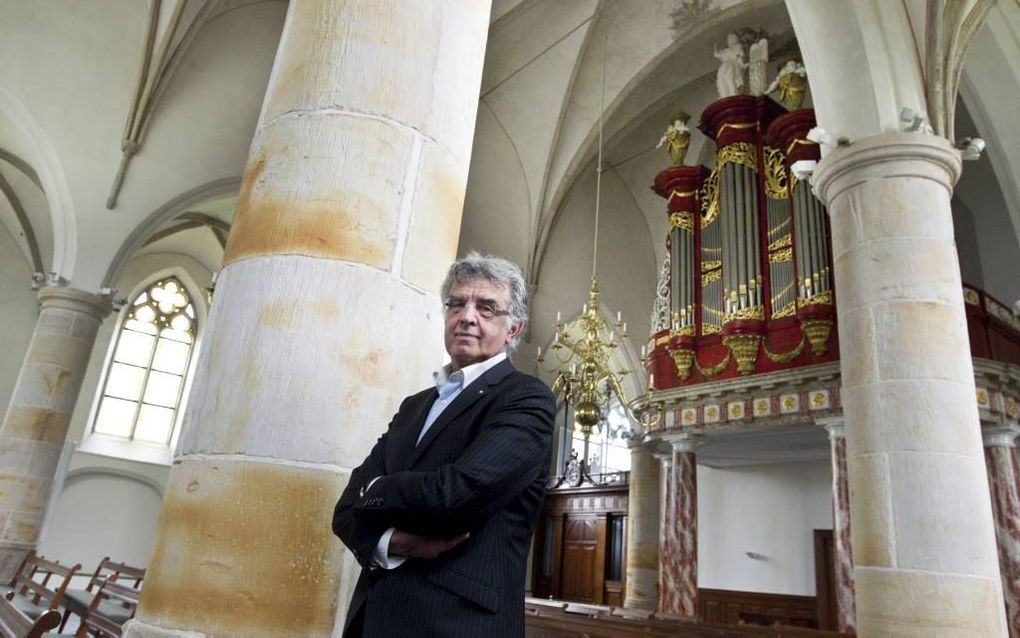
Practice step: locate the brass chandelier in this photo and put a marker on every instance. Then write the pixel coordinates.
(582, 350)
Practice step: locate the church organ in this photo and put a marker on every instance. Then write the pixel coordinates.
(747, 283)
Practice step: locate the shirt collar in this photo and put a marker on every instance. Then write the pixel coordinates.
(466, 375)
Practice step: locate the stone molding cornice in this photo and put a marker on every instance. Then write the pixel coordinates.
(97, 306)
(891, 155)
(1000, 435)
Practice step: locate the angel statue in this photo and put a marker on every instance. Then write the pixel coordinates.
(677, 138)
(791, 83)
(730, 78)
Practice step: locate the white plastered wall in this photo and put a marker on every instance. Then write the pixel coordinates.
(771, 510)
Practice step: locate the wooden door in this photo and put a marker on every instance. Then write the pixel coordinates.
(580, 559)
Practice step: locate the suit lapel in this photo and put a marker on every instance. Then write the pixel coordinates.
(407, 435)
(464, 400)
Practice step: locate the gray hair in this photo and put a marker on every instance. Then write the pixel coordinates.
(498, 271)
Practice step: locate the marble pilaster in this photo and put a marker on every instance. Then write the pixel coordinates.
(1004, 484)
(666, 529)
(642, 528)
(35, 424)
(843, 549)
(679, 593)
(922, 519)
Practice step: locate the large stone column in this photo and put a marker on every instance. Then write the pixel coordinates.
(642, 528)
(679, 593)
(1000, 457)
(35, 425)
(923, 538)
(326, 311)
(842, 547)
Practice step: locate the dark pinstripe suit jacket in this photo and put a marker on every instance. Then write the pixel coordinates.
(481, 468)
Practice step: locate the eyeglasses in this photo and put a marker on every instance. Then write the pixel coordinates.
(485, 309)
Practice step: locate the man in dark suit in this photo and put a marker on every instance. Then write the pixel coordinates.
(440, 514)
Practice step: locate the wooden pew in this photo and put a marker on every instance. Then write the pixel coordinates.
(122, 597)
(554, 619)
(14, 624)
(78, 601)
(33, 598)
(6, 588)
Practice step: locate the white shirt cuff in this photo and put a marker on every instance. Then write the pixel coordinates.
(382, 557)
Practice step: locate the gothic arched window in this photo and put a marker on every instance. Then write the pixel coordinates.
(142, 390)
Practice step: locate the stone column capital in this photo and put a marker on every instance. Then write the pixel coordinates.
(97, 306)
(917, 155)
(835, 426)
(1000, 435)
(684, 442)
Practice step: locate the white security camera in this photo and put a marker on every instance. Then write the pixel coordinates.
(802, 169)
(914, 121)
(970, 147)
(819, 135)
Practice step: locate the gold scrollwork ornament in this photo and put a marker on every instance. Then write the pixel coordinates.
(745, 350)
(683, 358)
(817, 332)
(785, 357)
(712, 371)
(776, 182)
(683, 219)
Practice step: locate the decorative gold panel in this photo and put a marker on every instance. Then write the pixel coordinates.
(683, 219)
(709, 277)
(781, 256)
(782, 242)
(710, 198)
(776, 183)
(738, 153)
(786, 311)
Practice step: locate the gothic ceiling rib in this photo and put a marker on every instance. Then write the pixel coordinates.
(169, 33)
(950, 26)
(531, 62)
(26, 224)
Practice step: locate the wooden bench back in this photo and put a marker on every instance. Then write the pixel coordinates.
(100, 624)
(108, 568)
(52, 595)
(17, 625)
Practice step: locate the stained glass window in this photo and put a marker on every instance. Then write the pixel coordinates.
(144, 381)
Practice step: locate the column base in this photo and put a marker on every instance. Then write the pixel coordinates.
(137, 629)
(11, 557)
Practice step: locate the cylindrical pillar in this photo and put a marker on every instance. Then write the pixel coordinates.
(923, 536)
(1000, 457)
(642, 528)
(679, 595)
(327, 311)
(842, 547)
(35, 425)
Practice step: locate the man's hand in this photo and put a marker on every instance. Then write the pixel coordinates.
(414, 546)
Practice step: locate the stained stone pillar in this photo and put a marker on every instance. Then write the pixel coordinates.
(667, 532)
(923, 536)
(678, 594)
(1000, 457)
(35, 425)
(326, 312)
(642, 528)
(842, 547)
